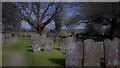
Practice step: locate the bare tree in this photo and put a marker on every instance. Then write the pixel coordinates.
(38, 14)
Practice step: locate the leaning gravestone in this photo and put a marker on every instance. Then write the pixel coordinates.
(73, 56)
(49, 43)
(93, 51)
(63, 44)
(35, 43)
(111, 52)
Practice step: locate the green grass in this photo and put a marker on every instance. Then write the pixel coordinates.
(43, 58)
(0, 55)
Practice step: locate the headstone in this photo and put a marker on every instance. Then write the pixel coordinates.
(63, 44)
(3, 38)
(35, 43)
(49, 43)
(38, 38)
(35, 46)
(73, 56)
(111, 52)
(57, 40)
(7, 37)
(14, 38)
(93, 51)
(43, 38)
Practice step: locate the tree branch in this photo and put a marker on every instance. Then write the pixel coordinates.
(43, 14)
(50, 19)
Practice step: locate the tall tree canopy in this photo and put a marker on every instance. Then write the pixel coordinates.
(10, 16)
(99, 13)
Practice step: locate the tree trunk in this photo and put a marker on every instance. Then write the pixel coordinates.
(113, 28)
(39, 31)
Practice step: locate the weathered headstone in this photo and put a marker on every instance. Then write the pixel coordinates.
(63, 44)
(35, 43)
(14, 38)
(93, 51)
(35, 46)
(49, 43)
(6, 38)
(43, 38)
(111, 52)
(57, 40)
(73, 56)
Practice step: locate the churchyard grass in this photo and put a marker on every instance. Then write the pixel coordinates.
(43, 58)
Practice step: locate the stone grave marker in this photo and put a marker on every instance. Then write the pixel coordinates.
(43, 38)
(49, 43)
(93, 51)
(35, 43)
(111, 52)
(63, 44)
(57, 40)
(73, 56)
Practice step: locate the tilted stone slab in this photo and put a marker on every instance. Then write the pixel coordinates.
(93, 51)
(73, 56)
(49, 43)
(111, 52)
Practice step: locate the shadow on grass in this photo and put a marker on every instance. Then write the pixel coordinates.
(59, 61)
(30, 50)
(29, 46)
(57, 49)
(63, 53)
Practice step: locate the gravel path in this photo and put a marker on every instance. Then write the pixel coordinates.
(14, 58)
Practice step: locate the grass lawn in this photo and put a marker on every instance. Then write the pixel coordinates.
(43, 58)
